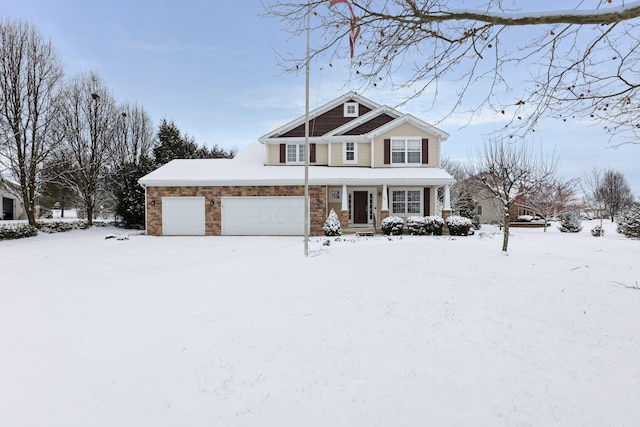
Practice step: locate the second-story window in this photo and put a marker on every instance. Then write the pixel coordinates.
(295, 153)
(350, 155)
(406, 150)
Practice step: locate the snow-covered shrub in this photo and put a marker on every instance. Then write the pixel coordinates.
(571, 223)
(597, 231)
(459, 225)
(434, 225)
(417, 225)
(392, 225)
(17, 231)
(332, 225)
(629, 223)
(54, 227)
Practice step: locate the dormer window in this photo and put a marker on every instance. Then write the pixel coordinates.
(351, 109)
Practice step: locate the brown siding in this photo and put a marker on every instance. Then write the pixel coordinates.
(213, 224)
(326, 122)
(372, 124)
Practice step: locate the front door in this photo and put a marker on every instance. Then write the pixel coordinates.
(360, 210)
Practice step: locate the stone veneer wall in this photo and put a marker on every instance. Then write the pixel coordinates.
(213, 224)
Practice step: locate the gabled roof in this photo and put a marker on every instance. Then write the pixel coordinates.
(328, 123)
(347, 97)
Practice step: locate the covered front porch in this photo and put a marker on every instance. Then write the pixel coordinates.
(365, 206)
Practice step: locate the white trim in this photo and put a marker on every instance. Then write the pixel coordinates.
(372, 197)
(356, 109)
(349, 96)
(408, 118)
(299, 160)
(344, 153)
(406, 151)
(420, 191)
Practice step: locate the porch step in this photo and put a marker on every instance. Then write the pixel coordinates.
(359, 232)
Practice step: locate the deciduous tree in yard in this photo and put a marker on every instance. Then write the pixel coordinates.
(576, 60)
(88, 123)
(30, 81)
(614, 192)
(511, 172)
(554, 198)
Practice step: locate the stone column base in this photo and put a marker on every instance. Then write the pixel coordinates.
(446, 214)
(344, 219)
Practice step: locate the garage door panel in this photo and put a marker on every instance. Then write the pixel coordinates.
(183, 216)
(263, 216)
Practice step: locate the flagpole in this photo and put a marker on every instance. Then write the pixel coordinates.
(306, 136)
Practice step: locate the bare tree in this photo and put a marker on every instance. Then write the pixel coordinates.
(133, 135)
(511, 172)
(581, 62)
(30, 79)
(553, 198)
(88, 121)
(614, 193)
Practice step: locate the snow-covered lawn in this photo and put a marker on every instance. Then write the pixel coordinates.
(418, 331)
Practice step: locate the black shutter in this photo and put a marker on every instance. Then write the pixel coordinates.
(425, 151)
(387, 151)
(427, 201)
(312, 153)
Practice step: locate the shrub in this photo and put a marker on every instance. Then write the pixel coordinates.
(392, 225)
(597, 231)
(54, 227)
(417, 225)
(571, 223)
(629, 223)
(434, 225)
(17, 231)
(459, 225)
(332, 225)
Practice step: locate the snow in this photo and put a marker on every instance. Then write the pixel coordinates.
(248, 168)
(382, 331)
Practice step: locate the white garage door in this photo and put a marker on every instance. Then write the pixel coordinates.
(183, 216)
(254, 216)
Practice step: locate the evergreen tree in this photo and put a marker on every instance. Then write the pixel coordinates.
(172, 145)
(629, 224)
(130, 205)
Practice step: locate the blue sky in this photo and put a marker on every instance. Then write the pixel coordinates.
(211, 67)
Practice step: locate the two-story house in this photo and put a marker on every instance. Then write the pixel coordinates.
(367, 162)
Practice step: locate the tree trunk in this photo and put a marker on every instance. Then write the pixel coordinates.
(89, 207)
(505, 232)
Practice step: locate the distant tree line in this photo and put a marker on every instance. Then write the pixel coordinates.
(69, 143)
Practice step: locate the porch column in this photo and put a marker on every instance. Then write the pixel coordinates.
(446, 208)
(447, 198)
(385, 198)
(344, 210)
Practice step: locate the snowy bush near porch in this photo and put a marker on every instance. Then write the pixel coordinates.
(332, 225)
(571, 223)
(392, 225)
(629, 224)
(459, 225)
(434, 225)
(417, 225)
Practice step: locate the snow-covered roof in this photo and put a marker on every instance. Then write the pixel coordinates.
(248, 168)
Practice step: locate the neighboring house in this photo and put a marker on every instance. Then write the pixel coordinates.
(367, 162)
(12, 208)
